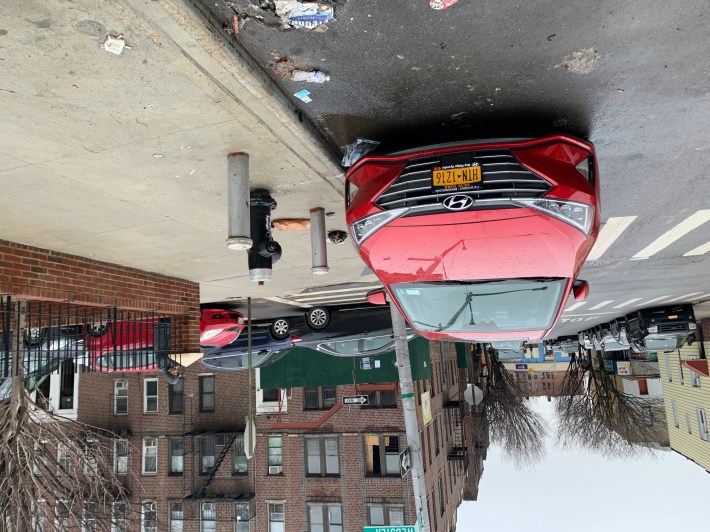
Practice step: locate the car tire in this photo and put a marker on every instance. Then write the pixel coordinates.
(318, 318)
(280, 329)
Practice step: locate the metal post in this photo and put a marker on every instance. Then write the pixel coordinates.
(238, 201)
(409, 408)
(319, 255)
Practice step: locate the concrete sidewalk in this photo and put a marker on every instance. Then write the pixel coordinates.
(123, 158)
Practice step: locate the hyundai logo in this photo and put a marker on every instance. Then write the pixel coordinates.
(458, 202)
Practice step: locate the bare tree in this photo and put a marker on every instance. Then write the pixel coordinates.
(594, 413)
(509, 418)
(52, 468)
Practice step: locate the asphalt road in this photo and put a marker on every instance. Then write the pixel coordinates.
(631, 77)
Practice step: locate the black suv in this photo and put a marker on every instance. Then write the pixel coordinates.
(657, 329)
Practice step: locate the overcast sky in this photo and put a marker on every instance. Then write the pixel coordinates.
(572, 491)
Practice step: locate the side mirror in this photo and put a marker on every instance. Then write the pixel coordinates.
(377, 297)
(580, 290)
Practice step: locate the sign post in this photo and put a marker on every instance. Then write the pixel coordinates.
(405, 465)
(361, 400)
(389, 528)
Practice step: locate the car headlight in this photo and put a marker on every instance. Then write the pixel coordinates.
(363, 228)
(210, 334)
(691, 326)
(653, 329)
(579, 215)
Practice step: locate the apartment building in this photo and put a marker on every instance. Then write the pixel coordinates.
(685, 378)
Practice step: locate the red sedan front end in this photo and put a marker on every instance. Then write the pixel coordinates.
(481, 240)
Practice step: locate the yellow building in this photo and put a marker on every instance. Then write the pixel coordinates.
(686, 390)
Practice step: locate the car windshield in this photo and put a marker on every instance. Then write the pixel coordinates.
(123, 360)
(481, 307)
(664, 343)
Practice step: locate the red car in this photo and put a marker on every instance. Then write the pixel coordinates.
(480, 240)
(219, 327)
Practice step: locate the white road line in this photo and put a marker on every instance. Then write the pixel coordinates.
(575, 306)
(609, 232)
(681, 298)
(602, 304)
(703, 297)
(700, 250)
(323, 297)
(629, 302)
(656, 299)
(666, 239)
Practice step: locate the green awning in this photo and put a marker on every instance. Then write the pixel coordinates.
(307, 367)
(462, 351)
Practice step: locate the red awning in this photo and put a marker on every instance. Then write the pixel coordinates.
(698, 366)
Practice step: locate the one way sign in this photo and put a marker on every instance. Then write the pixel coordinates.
(357, 400)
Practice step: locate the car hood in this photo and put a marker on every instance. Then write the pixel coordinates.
(520, 243)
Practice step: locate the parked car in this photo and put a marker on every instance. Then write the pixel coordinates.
(603, 337)
(657, 329)
(219, 327)
(128, 345)
(451, 230)
(235, 356)
(341, 331)
(565, 344)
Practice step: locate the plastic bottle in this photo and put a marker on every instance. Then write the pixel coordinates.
(313, 76)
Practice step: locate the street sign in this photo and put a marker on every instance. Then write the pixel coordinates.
(521, 366)
(404, 463)
(361, 400)
(384, 528)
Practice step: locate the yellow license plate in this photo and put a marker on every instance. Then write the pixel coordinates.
(459, 178)
(673, 317)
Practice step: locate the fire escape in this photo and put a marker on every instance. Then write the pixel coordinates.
(458, 451)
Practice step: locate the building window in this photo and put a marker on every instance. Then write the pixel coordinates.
(61, 516)
(322, 456)
(119, 517)
(386, 515)
(270, 395)
(175, 397)
(39, 517)
(442, 507)
(241, 464)
(88, 522)
(702, 424)
(319, 397)
(325, 518)
(275, 454)
(91, 449)
(669, 375)
(41, 458)
(208, 517)
(648, 416)
(680, 371)
(120, 397)
(176, 516)
(150, 396)
(150, 456)
(242, 517)
(63, 459)
(120, 457)
(277, 520)
(695, 379)
(436, 437)
(687, 423)
(206, 454)
(176, 456)
(382, 455)
(149, 516)
(382, 399)
(207, 393)
(674, 406)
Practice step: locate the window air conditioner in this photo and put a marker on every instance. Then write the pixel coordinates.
(275, 469)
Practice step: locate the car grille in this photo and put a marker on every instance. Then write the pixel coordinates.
(673, 327)
(503, 178)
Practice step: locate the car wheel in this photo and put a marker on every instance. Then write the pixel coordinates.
(98, 328)
(318, 318)
(280, 329)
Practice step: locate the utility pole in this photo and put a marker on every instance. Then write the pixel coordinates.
(409, 407)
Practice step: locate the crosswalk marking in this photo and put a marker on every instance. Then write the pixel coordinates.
(609, 232)
(700, 250)
(654, 300)
(602, 304)
(666, 239)
(682, 298)
(575, 306)
(629, 302)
